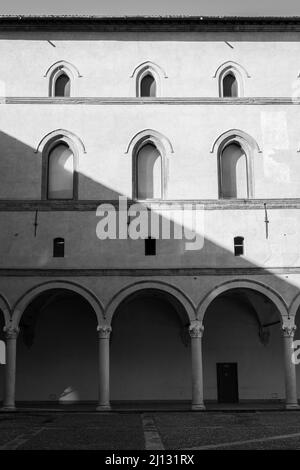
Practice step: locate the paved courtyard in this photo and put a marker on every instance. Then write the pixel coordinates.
(150, 430)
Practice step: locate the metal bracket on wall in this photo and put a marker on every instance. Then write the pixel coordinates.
(266, 220)
(35, 222)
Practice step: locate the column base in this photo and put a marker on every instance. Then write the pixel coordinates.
(291, 406)
(103, 408)
(8, 408)
(199, 407)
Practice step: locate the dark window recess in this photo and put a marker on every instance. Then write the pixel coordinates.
(58, 248)
(62, 85)
(148, 86)
(230, 86)
(150, 246)
(238, 246)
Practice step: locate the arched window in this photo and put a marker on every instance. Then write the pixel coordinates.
(238, 246)
(58, 248)
(60, 172)
(149, 173)
(233, 172)
(230, 86)
(148, 86)
(62, 86)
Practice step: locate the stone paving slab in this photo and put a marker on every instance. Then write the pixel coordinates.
(74, 431)
(186, 431)
(137, 431)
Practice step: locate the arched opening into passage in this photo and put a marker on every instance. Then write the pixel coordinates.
(148, 86)
(62, 85)
(150, 349)
(149, 172)
(2, 366)
(57, 349)
(243, 348)
(230, 86)
(61, 172)
(233, 172)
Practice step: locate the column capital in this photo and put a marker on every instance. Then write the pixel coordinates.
(289, 330)
(11, 332)
(196, 329)
(104, 331)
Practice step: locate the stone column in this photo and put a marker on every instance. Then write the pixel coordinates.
(196, 331)
(291, 401)
(104, 397)
(11, 334)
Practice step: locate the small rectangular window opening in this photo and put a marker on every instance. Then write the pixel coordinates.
(150, 246)
(238, 246)
(58, 248)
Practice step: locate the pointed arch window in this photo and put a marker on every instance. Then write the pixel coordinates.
(62, 79)
(233, 172)
(62, 85)
(148, 86)
(149, 173)
(230, 86)
(60, 172)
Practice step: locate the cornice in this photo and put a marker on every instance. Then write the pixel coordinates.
(150, 101)
(144, 272)
(91, 205)
(148, 23)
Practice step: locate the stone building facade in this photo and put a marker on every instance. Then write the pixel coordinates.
(169, 113)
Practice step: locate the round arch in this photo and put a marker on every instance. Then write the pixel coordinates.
(160, 286)
(294, 307)
(32, 293)
(5, 309)
(246, 284)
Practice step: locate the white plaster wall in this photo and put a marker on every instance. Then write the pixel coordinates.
(106, 61)
(19, 247)
(106, 130)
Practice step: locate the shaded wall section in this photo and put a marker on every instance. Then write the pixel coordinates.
(57, 350)
(231, 334)
(150, 352)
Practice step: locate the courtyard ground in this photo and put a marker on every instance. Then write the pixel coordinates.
(184, 431)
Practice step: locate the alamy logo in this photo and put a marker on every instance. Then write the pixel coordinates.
(2, 353)
(161, 220)
(296, 353)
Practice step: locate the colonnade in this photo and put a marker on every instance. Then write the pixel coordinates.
(196, 331)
